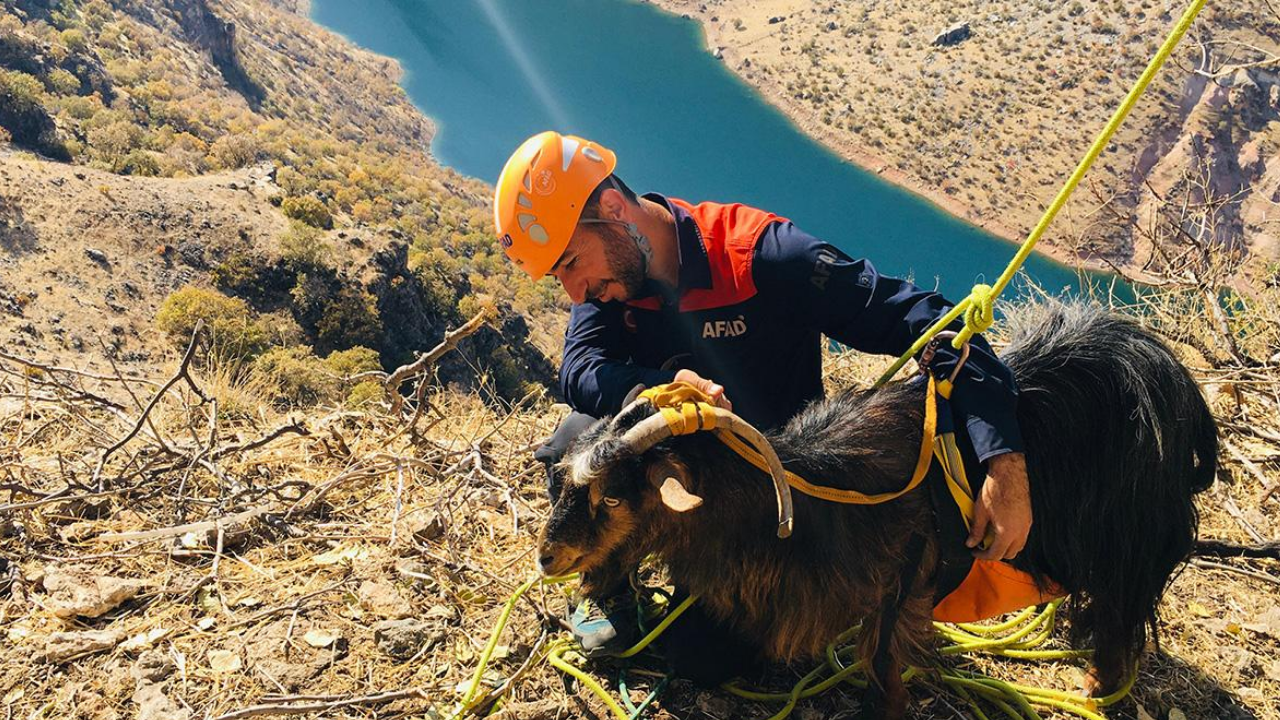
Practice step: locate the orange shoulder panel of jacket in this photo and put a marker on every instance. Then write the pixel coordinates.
(991, 589)
(729, 234)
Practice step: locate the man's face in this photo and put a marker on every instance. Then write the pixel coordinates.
(601, 263)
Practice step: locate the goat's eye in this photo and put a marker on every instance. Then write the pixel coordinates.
(612, 501)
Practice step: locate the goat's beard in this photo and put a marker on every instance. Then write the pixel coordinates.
(624, 261)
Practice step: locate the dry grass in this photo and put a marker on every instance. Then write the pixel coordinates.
(363, 519)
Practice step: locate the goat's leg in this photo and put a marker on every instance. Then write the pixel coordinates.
(898, 631)
(1113, 659)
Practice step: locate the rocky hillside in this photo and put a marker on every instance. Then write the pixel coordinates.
(989, 119)
(153, 144)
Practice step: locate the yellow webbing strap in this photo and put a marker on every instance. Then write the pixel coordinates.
(948, 455)
(685, 408)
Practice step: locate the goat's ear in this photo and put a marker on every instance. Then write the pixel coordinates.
(672, 480)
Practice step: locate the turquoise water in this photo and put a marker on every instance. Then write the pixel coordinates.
(493, 72)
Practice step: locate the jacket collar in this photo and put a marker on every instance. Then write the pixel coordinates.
(695, 268)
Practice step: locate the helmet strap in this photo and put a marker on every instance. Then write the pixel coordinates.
(643, 245)
(640, 240)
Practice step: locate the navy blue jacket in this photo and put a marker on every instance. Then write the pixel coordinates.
(755, 296)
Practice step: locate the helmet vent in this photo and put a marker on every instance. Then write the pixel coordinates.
(590, 153)
(524, 200)
(538, 234)
(527, 182)
(568, 146)
(525, 220)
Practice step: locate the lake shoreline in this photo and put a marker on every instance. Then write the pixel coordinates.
(864, 156)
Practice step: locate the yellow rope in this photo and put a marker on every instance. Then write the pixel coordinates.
(687, 410)
(977, 308)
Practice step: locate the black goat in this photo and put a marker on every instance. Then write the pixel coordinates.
(1118, 440)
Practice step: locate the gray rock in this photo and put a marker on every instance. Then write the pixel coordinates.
(152, 666)
(153, 704)
(96, 255)
(66, 645)
(80, 593)
(777, 19)
(402, 639)
(953, 35)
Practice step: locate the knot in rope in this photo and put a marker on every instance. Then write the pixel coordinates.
(686, 409)
(979, 314)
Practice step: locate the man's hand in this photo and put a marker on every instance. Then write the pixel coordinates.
(1004, 506)
(714, 390)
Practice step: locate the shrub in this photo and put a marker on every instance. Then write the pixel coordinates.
(295, 376)
(74, 39)
(349, 319)
(137, 162)
(116, 139)
(366, 393)
(347, 363)
(309, 210)
(358, 359)
(63, 82)
(234, 151)
(250, 275)
(234, 332)
(22, 92)
(303, 247)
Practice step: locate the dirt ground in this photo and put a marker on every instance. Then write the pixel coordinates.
(234, 560)
(88, 255)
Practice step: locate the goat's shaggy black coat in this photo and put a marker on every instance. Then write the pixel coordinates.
(1118, 440)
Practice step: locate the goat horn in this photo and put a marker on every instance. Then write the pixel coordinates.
(646, 433)
(654, 429)
(731, 422)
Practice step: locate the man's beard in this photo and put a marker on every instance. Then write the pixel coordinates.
(624, 261)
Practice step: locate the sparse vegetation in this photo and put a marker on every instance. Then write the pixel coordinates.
(233, 328)
(1032, 81)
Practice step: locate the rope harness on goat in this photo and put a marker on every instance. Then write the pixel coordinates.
(687, 410)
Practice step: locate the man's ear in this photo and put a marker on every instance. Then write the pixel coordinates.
(613, 204)
(672, 481)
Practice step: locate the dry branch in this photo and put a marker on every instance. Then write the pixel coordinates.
(426, 360)
(219, 524)
(182, 374)
(286, 708)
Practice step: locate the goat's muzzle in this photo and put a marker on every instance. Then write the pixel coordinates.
(557, 559)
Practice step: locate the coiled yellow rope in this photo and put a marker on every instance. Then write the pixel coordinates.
(1017, 637)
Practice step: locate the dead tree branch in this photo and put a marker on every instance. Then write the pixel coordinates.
(182, 374)
(287, 708)
(426, 360)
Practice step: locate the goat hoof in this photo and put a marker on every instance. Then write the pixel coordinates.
(1100, 684)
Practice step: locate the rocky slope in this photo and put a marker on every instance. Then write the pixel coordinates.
(990, 122)
(158, 143)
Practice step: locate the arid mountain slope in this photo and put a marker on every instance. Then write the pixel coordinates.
(386, 248)
(991, 125)
(87, 255)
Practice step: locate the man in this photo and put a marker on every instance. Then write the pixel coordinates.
(736, 298)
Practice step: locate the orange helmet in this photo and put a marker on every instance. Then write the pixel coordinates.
(540, 195)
